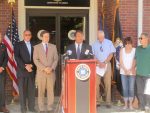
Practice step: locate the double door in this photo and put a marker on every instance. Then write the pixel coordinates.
(60, 24)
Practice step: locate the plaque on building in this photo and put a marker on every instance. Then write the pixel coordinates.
(69, 3)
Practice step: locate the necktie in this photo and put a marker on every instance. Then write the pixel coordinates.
(46, 46)
(78, 51)
(29, 48)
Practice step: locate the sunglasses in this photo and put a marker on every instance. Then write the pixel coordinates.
(101, 49)
(140, 38)
(27, 34)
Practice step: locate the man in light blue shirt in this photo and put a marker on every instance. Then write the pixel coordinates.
(103, 50)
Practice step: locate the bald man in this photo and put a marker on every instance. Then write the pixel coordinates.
(103, 50)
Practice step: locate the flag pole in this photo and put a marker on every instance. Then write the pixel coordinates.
(113, 37)
(103, 3)
(117, 3)
(116, 7)
(11, 2)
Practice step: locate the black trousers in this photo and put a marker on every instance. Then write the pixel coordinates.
(27, 92)
(143, 99)
(2, 90)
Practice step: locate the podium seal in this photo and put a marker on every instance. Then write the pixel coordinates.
(82, 72)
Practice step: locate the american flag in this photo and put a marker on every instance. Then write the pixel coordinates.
(10, 39)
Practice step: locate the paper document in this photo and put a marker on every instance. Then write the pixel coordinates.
(147, 87)
(101, 71)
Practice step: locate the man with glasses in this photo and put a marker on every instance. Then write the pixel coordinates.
(103, 50)
(25, 72)
(143, 69)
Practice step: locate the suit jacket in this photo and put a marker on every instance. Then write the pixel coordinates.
(3, 57)
(83, 56)
(22, 57)
(42, 61)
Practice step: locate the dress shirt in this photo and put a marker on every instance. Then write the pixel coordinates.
(28, 44)
(103, 50)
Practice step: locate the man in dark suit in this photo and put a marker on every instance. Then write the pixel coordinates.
(80, 50)
(3, 64)
(26, 72)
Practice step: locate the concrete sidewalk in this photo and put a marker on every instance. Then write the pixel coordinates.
(15, 108)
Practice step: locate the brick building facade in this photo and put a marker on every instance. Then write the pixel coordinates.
(128, 17)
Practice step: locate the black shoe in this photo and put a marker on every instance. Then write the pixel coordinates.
(23, 111)
(108, 106)
(98, 105)
(33, 110)
(4, 110)
(50, 111)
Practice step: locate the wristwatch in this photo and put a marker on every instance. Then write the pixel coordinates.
(2, 68)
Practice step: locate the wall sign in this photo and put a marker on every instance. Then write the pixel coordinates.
(71, 3)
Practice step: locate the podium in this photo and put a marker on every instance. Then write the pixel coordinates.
(79, 86)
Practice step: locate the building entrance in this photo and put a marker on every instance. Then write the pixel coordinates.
(60, 24)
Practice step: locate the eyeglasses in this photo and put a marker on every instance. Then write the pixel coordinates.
(27, 34)
(101, 49)
(140, 38)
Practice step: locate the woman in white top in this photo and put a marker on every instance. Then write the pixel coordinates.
(127, 71)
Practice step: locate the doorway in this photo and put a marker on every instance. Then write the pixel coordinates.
(58, 23)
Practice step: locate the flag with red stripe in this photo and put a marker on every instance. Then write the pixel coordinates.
(11, 37)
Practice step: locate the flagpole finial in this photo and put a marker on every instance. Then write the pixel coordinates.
(117, 2)
(11, 2)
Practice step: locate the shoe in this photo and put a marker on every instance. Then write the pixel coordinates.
(42, 111)
(33, 110)
(108, 106)
(4, 110)
(125, 107)
(23, 111)
(147, 109)
(131, 108)
(142, 109)
(98, 105)
(50, 111)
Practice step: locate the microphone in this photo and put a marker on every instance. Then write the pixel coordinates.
(69, 52)
(87, 52)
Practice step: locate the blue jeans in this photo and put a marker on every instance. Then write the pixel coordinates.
(128, 85)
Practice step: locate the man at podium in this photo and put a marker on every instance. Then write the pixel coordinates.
(79, 50)
(79, 88)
